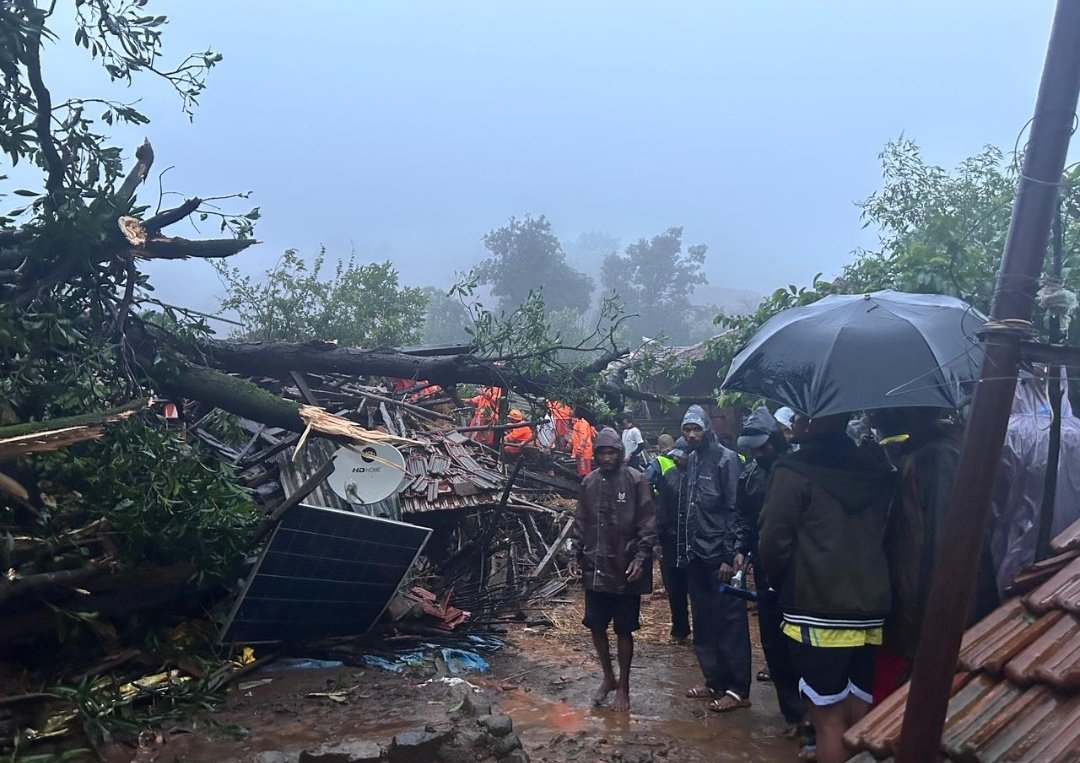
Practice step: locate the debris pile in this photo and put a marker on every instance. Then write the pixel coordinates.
(72, 579)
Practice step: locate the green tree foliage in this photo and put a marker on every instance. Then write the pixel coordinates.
(447, 320)
(943, 231)
(940, 232)
(71, 284)
(164, 502)
(655, 278)
(526, 256)
(357, 306)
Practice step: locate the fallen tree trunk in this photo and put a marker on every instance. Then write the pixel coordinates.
(279, 358)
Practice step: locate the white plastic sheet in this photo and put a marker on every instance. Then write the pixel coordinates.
(1018, 491)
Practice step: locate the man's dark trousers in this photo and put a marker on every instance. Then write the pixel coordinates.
(678, 591)
(721, 632)
(782, 672)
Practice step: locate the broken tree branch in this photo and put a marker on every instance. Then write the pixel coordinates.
(183, 248)
(170, 216)
(144, 159)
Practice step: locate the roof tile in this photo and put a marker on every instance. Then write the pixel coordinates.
(1053, 658)
(992, 642)
(1059, 592)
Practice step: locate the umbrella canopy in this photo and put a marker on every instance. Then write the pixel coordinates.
(888, 349)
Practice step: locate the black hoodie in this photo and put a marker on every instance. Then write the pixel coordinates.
(822, 531)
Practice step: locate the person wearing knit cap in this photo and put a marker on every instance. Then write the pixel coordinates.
(712, 547)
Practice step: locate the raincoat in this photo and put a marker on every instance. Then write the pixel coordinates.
(518, 437)
(486, 401)
(713, 531)
(560, 417)
(581, 445)
(821, 534)
(614, 524)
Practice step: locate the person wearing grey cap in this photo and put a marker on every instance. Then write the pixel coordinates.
(762, 439)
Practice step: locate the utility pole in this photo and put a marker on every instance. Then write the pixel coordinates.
(1014, 306)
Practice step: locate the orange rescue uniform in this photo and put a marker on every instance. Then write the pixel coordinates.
(581, 446)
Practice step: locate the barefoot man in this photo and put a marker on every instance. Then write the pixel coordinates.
(614, 534)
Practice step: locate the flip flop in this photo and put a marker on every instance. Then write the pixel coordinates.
(728, 702)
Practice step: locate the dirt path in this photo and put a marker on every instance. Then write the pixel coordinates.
(544, 680)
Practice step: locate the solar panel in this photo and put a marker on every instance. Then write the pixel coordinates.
(324, 573)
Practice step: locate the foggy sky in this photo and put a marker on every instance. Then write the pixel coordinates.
(406, 130)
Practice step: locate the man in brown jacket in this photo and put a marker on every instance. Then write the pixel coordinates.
(614, 534)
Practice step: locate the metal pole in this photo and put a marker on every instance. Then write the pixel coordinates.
(1053, 455)
(1014, 302)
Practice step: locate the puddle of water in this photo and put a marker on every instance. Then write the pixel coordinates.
(740, 736)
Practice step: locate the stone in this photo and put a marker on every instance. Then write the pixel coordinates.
(505, 745)
(272, 756)
(497, 725)
(416, 746)
(515, 756)
(344, 751)
(472, 708)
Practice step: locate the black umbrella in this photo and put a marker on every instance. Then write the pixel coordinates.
(888, 349)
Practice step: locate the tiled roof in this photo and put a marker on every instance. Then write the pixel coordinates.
(450, 471)
(1017, 695)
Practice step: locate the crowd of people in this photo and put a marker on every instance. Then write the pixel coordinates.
(836, 518)
(837, 526)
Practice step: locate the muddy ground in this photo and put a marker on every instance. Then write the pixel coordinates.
(544, 679)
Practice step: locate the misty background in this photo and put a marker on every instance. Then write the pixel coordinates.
(407, 131)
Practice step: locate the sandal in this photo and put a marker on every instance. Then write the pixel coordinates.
(727, 702)
(700, 692)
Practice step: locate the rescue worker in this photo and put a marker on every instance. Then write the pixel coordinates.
(517, 438)
(561, 414)
(613, 537)
(581, 446)
(486, 400)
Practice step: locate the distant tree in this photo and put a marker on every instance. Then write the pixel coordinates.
(526, 256)
(447, 318)
(359, 306)
(655, 278)
(587, 252)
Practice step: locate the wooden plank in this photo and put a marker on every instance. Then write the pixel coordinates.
(550, 556)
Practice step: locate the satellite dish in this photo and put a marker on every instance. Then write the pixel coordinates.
(367, 473)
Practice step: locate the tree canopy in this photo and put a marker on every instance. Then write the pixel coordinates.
(655, 279)
(357, 306)
(525, 256)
